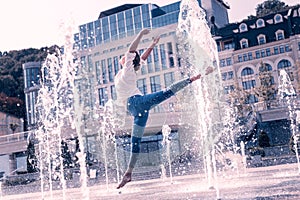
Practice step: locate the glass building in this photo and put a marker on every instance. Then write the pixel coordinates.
(124, 21)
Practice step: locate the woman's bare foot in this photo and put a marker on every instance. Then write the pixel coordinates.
(126, 179)
(195, 77)
(209, 70)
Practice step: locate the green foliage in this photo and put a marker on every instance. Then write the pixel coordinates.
(270, 6)
(12, 98)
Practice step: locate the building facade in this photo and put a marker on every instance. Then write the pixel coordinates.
(272, 40)
(12, 143)
(252, 53)
(103, 42)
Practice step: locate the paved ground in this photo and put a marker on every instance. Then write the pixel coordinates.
(264, 183)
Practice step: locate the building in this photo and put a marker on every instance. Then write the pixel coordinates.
(12, 143)
(255, 49)
(102, 43)
(31, 82)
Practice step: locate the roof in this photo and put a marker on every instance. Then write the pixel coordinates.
(224, 4)
(117, 9)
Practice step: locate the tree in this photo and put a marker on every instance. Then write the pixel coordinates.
(238, 99)
(270, 6)
(12, 98)
(266, 91)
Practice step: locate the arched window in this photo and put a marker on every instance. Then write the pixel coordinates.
(244, 43)
(247, 71)
(260, 23)
(284, 64)
(243, 27)
(279, 35)
(251, 98)
(261, 39)
(278, 18)
(266, 67)
(248, 84)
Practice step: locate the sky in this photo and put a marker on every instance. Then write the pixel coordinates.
(38, 23)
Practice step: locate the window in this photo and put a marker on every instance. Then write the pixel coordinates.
(279, 35)
(90, 63)
(116, 64)
(98, 72)
(263, 53)
(230, 75)
(268, 52)
(110, 70)
(257, 54)
(284, 64)
(244, 43)
(278, 18)
(245, 57)
(104, 73)
(265, 67)
(251, 98)
(156, 59)
(260, 23)
(250, 56)
(228, 45)
(163, 56)
(287, 48)
(103, 98)
(228, 89)
(227, 75)
(248, 84)
(281, 49)
(113, 92)
(261, 39)
(276, 50)
(169, 78)
(155, 83)
(224, 75)
(247, 71)
(243, 27)
(228, 61)
(142, 86)
(170, 54)
(222, 63)
(240, 58)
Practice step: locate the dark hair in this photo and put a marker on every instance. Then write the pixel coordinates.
(136, 60)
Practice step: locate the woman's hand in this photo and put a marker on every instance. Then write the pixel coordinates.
(145, 31)
(155, 40)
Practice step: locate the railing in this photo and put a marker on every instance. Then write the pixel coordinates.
(15, 137)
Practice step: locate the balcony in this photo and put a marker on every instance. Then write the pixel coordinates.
(13, 143)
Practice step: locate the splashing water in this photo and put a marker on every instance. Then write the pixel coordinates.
(58, 113)
(208, 115)
(287, 96)
(166, 130)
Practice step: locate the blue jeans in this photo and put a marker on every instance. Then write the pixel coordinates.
(139, 107)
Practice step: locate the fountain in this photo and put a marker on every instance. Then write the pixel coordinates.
(287, 95)
(206, 129)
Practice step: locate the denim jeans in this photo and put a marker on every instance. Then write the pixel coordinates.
(139, 107)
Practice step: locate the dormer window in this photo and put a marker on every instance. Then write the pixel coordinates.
(278, 18)
(243, 27)
(279, 35)
(244, 43)
(261, 39)
(260, 23)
